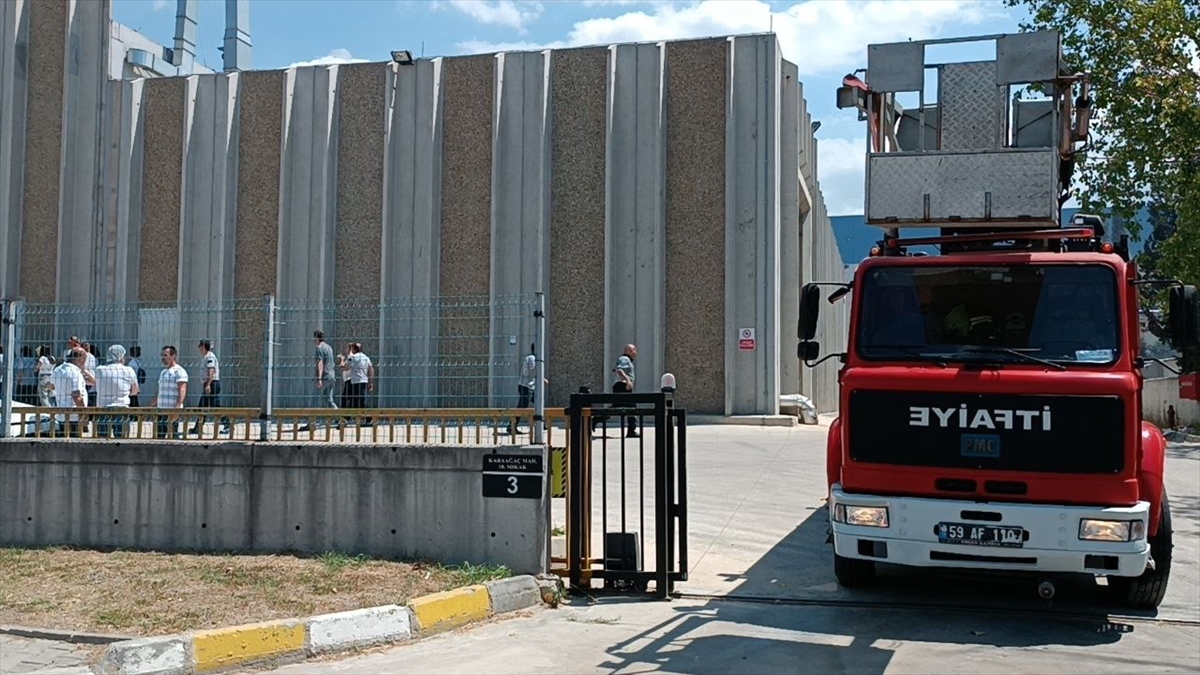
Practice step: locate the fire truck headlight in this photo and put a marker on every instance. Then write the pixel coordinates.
(865, 516)
(1112, 530)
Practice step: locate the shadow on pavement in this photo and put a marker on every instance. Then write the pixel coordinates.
(773, 614)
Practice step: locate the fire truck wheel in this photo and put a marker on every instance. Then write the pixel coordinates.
(852, 573)
(1147, 591)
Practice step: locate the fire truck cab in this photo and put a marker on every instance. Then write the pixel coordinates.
(990, 395)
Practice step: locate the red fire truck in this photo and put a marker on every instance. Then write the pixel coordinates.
(991, 390)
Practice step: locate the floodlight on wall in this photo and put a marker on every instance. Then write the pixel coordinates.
(816, 125)
(403, 57)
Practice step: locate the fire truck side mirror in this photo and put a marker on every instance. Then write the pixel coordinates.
(808, 350)
(810, 308)
(1183, 317)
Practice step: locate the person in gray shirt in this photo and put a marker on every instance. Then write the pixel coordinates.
(326, 376)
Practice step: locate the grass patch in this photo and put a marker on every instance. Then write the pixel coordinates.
(469, 574)
(156, 594)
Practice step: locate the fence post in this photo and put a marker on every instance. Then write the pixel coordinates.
(10, 355)
(268, 402)
(539, 386)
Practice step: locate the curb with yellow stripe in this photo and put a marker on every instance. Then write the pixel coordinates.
(209, 651)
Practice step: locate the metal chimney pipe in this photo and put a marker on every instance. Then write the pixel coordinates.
(186, 29)
(237, 35)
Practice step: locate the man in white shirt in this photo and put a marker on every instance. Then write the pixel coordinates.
(70, 390)
(172, 392)
(115, 384)
(361, 372)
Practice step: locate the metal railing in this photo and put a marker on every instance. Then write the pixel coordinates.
(441, 426)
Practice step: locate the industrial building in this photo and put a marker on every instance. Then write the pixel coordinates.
(664, 194)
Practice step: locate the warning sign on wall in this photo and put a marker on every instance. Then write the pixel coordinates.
(746, 340)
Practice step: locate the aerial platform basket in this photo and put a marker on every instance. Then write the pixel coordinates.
(976, 157)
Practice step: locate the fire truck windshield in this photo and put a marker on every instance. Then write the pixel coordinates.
(1066, 314)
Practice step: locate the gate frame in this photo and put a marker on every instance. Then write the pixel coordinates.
(670, 489)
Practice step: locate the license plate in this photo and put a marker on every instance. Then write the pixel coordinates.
(980, 535)
(980, 445)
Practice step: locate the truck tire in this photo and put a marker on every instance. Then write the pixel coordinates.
(853, 573)
(1147, 591)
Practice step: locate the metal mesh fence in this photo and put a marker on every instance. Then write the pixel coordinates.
(45, 332)
(442, 352)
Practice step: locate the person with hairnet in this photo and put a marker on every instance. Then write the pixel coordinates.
(115, 384)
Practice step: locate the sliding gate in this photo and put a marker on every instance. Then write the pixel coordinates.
(627, 492)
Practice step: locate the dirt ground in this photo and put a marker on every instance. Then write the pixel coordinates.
(133, 593)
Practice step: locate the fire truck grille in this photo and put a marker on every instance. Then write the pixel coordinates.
(1047, 434)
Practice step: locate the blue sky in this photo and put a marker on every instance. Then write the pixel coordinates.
(825, 38)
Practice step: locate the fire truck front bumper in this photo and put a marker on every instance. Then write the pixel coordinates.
(966, 534)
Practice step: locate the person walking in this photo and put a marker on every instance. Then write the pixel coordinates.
(624, 383)
(526, 383)
(89, 371)
(211, 396)
(172, 392)
(135, 362)
(326, 378)
(362, 373)
(116, 383)
(45, 371)
(25, 372)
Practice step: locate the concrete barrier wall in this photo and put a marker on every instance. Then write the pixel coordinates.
(1159, 395)
(413, 502)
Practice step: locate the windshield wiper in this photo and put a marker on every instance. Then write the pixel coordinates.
(912, 350)
(1012, 352)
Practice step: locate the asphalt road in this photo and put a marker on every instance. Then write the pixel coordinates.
(762, 598)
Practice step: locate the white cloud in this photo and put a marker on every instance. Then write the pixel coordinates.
(508, 13)
(611, 3)
(160, 5)
(820, 36)
(334, 57)
(841, 168)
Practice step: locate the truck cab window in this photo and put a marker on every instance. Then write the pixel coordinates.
(1061, 313)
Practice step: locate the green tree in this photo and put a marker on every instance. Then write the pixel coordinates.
(1144, 57)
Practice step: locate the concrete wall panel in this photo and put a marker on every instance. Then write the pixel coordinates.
(468, 90)
(635, 229)
(696, 75)
(83, 103)
(790, 198)
(43, 150)
(752, 225)
(163, 107)
(209, 189)
(123, 180)
(306, 218)
(411, 232)
(259, 148)
(14, 84)
(577, 222)
(362, 109)
(519, 214)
